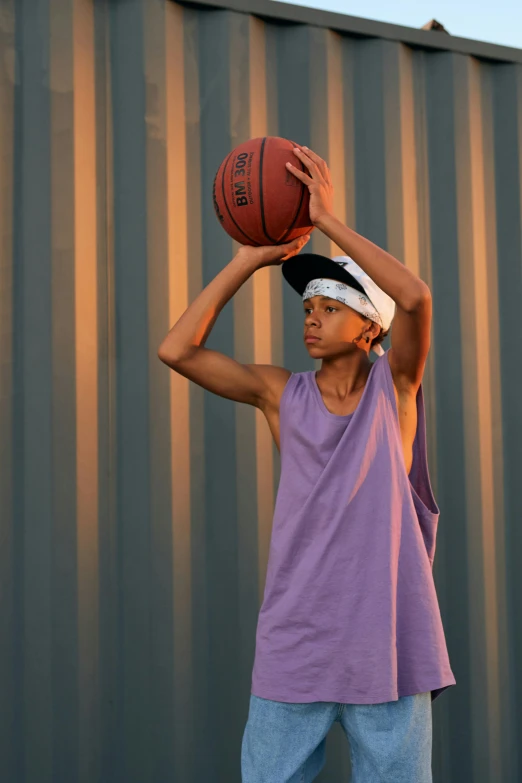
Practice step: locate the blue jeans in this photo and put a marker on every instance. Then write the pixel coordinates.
(389, 742)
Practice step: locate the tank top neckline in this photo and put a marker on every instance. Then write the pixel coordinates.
(320, 401)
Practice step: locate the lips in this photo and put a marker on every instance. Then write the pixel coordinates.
(311, 338)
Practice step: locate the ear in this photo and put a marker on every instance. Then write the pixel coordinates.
(374, 329)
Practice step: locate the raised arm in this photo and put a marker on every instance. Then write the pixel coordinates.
(411, 328)
(183, 348)
(410, 336)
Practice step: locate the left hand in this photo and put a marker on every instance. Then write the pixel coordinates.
(272, 255)
(318, 181)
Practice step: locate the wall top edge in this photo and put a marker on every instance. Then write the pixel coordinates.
(284, 13)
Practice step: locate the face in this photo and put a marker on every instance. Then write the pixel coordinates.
(336, 326)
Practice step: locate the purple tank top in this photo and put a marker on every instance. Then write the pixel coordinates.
(350, 611)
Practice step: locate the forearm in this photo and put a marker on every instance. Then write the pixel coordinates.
(194, 326)
(404, 287)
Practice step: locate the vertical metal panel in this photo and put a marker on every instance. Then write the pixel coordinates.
(136, 508)
(507, 140)
(10, 731)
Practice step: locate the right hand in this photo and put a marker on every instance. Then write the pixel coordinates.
(272, 255)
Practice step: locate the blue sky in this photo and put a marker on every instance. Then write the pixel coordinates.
(496, 21)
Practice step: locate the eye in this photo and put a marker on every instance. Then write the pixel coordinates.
(331, 307)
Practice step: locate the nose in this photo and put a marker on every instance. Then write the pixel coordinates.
(311, 318)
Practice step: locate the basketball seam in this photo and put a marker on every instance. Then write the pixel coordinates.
(226, 205)
(261, 155)
(298, 208)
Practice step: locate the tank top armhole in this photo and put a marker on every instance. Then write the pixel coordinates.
(287, 392)
(418, 477)
(284, 401)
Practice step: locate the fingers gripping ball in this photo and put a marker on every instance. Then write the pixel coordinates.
(256, 199)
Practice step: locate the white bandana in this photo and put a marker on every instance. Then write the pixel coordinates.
(334, 289)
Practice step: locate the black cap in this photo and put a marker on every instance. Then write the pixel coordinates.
(300, 269)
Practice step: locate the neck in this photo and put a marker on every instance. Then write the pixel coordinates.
(345, 374)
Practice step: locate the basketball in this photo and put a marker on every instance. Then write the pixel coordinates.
(256, 199)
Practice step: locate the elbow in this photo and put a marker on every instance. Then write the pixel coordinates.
(162, 354)
(417, 300)
(171, 355)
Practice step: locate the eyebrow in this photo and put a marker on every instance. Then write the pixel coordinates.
(323, 297)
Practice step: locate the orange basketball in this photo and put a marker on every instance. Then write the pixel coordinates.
(256, 199)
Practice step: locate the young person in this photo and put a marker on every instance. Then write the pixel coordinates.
(350, 628)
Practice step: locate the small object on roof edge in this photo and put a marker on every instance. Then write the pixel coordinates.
(434, 25)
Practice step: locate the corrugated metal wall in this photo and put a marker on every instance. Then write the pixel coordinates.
(135, 508)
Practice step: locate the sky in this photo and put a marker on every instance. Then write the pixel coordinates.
(496, 21)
